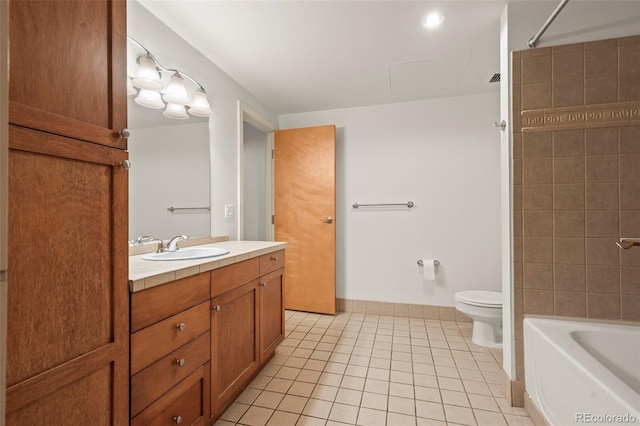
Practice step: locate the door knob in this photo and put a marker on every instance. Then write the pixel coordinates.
(328, 220)
(125, 133)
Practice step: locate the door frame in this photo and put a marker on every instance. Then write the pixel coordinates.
(257, 120)
(4, 151)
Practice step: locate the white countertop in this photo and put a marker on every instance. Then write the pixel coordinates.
(147, 273)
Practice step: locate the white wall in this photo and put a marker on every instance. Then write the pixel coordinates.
(255, 190)
(508, 343)
(170, 168)
(442, 154)
(223, 93)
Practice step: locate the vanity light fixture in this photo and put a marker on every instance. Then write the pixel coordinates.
(148, 78)
(200, 105)
(150, 99)
(176, 93)
(433, 20)
(175, 111)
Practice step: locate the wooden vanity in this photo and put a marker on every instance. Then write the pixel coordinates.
(197, 341)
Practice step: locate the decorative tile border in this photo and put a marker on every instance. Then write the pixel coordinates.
(433, 312)
(581, 116)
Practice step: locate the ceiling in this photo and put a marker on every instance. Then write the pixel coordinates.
(299, 56)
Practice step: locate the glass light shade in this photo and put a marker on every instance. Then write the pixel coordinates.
(130, 89)
(176, 92)
(149, 99)
(200, 104)
(175, 111)
(147, 76)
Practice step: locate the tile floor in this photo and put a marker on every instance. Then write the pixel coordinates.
(356, 369)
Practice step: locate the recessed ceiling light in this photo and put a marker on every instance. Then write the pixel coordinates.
(433, 20)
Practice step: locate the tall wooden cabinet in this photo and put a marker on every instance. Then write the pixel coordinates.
(67, 343)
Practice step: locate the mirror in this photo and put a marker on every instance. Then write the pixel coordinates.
(170, 169)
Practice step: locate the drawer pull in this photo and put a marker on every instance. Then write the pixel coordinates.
(181, 326)
(180, 362)
(217, 308)
(274, 258)
(263, 284)
(177, 420)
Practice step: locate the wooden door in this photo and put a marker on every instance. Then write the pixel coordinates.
(68, 68)
(271, 313)
(305, 206)
(235, 355)
(68, 314)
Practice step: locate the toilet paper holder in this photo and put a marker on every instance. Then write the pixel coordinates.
(435, 262)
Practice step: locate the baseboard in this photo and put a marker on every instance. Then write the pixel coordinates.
(371, 307)
(536, 417)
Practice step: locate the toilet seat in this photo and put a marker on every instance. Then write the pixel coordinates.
(485, 299)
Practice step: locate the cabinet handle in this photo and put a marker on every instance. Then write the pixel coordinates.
(180, 362)
(177, 420)
(125, 133)
(263, 284)
(181, 326)
(126, 164)
(217, 308)
(274, 258)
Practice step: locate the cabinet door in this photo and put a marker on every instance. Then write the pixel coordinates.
(271, 313)
(67, 337)
(68, 68)
(234, 343)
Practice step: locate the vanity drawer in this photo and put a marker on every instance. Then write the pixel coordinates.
(232, 276)
(272, 261)
(157, 303)
(186, 404)
(150, 383)
(152, 343)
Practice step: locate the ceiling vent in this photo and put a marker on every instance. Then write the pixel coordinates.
(495, 78)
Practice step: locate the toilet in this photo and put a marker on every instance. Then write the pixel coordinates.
(485, 309)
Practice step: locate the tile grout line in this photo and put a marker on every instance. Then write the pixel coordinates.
(360, 324)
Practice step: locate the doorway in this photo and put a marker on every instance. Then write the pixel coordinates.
(255, 176)
(255, 212)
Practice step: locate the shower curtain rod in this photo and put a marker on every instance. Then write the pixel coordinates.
(533, 41)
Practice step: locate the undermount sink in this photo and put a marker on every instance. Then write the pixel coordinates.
(187, 253)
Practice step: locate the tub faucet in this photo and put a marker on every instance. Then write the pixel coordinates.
(627, 243)
(172, 245)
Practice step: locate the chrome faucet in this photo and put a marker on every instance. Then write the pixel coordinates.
(143, 241)
(172, 245)
(627, 243)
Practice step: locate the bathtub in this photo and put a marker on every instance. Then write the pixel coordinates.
(583, 372)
